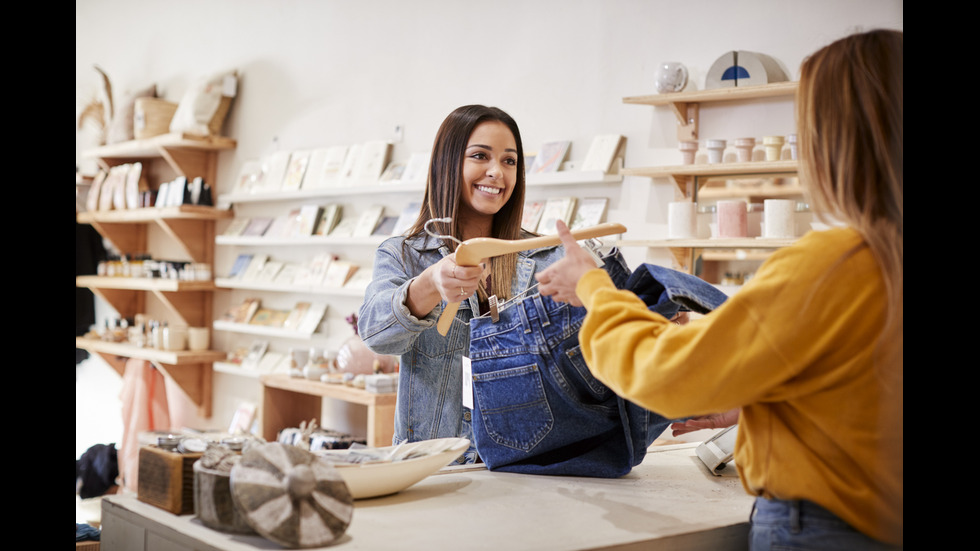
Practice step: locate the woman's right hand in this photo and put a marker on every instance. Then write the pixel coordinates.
(442, 281)
(453, 282)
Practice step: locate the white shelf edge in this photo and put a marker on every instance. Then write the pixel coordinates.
(312, 240)
(567, 177)
(249, 329)
(229, 283)
(235, 369)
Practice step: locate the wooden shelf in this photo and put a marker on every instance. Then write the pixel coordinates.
(686, 105)
(189, 301)
(775, 89)
(288, 401)
(721, 243)
(687, 177)
(191, 370)
(191, 227)
(142, 284)
(764, 190)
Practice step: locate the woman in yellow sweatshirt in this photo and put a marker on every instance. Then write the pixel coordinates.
(809, 353)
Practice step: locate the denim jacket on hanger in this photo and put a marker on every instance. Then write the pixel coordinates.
(539, 410)
(429, 403)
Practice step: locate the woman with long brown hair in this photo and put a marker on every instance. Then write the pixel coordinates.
(808, 356)
(475, 188)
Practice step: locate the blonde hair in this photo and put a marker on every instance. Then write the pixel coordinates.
(849, 113)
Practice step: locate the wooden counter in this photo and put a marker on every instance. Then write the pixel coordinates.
(670, 502)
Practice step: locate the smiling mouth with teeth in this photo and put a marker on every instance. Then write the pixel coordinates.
(490, 190)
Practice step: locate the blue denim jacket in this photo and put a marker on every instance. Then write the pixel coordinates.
(429, 403)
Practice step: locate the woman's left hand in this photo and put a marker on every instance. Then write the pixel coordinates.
(559, 280)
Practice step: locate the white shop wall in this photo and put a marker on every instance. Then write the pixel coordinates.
(332, 72)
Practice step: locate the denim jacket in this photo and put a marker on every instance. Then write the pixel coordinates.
(429, 403)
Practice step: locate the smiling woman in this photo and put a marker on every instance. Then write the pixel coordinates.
(475, 188)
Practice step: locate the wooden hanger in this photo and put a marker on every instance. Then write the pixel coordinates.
(472, 251)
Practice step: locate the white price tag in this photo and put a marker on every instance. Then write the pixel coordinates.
(467, 383)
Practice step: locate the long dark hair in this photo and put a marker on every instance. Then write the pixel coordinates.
(443, 190)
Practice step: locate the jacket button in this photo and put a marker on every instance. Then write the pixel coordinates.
(467, 415)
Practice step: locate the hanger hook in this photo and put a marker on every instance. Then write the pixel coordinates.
(439, 236)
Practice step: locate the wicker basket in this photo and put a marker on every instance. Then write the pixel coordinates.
(151, 117)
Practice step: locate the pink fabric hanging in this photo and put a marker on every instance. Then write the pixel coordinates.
(144, 408)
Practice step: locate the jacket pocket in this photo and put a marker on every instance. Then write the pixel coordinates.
(513, 406)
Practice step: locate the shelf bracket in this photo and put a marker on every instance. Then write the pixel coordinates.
(687, 114)
(187, 305)
(684, 257)
(195, 380)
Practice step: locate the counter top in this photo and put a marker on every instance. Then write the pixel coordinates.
(671, 499)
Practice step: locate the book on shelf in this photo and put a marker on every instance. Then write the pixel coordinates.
(338, 273)
(269, 317)
(242, 312)
(347, 170)
(417, 167)
(406, 218)
(236, 227)
(325, 167)
(311, 274)
(368, 221)
(393, 172)
(257, 226)
(135, 184)
(371, 161)
(591, 211)
(272, 362)
(274, 168)
(256, 351)
(109, 187)
(550, 157)
(345, 227)
(281, 225)
(241, 421)
(309, 217)
(385, 226)
(240, 265)
(296, 315)
(255, 265)
(329, 216)
(360, 280)
(249, 177)
(176, 191)
(295, 170)
(605, 149)
(556, 208)
(269, 271)
(92, 199)
(287, 274)
(311, 320)
(532, 215)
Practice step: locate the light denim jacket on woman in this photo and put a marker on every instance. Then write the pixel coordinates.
(429, 403)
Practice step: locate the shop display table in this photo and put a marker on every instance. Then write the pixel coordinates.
(670, 501)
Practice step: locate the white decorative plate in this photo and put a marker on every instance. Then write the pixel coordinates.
(410, 463)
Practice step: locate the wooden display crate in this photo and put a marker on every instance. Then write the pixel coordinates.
(166, 479)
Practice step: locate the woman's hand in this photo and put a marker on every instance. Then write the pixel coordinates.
(559, 280)
(713, 421)
(443, 281)
(454, 282)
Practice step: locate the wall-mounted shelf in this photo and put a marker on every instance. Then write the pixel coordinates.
(561, 178)
(191, 370)
(251, 329)
(189, 226)
(686, 177)
(229, 283)
(288, 401)
(686, 105)
(313, 240)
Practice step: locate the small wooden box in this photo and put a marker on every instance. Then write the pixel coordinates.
(166, 479)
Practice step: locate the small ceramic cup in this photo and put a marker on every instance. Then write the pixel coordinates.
(744, 148)
(689, 150)
(774, 147)
(716, 150)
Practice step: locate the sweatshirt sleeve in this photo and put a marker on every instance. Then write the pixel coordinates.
(712, 364)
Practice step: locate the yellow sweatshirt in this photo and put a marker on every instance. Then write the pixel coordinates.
(795, 348)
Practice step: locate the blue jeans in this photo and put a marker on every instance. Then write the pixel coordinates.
(538, 408)
(779, 524)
